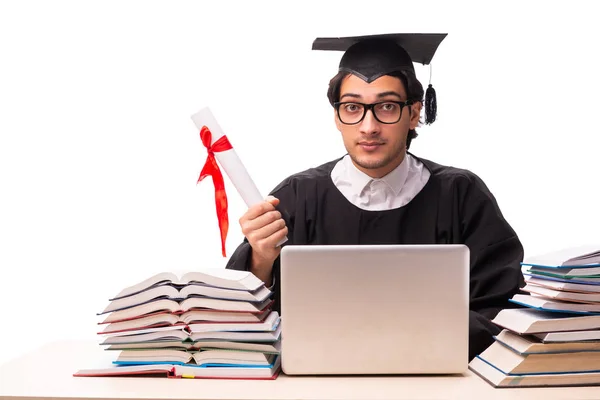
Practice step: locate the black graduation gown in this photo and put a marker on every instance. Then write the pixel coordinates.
(455, 206)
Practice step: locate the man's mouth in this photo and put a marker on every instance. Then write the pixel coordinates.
(370, 146)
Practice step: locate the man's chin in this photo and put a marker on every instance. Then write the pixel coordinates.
(370, 162)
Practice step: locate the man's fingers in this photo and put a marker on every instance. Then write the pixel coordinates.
(279, 235)
(269, 229)
(261, 221)
(264, 227)
(273, 200)
(258, 209)
(269, 244)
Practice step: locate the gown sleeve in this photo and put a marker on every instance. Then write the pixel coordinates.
(496, 254)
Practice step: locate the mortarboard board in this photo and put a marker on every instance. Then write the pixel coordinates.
(372, 56)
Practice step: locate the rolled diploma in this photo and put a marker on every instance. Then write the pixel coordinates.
(229, 160)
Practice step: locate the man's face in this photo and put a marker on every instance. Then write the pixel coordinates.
(374, 147)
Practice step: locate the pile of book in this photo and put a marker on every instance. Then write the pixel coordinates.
(553, 338)
(214, 323)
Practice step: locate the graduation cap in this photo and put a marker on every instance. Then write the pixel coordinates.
(372, 56)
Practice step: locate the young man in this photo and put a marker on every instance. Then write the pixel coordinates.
(379, 193)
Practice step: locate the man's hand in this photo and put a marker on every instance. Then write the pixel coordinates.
(263, 226)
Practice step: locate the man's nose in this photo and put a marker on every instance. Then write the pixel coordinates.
(369, 125)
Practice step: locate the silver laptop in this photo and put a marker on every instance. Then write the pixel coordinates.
(374, 309)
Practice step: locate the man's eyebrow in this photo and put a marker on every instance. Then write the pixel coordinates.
(379, 95)
(356, 96)
(389, 93)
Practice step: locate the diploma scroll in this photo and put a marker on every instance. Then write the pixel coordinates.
(230, 161)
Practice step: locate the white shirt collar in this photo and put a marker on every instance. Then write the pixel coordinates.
(394, 190)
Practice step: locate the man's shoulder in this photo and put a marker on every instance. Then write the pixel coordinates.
(308, 176)
(453, 177)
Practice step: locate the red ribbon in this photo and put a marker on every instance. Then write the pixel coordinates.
(212, 168)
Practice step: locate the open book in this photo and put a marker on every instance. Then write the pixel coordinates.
(527, 321)
(205, 358)
(180, 307)
(512, 363)
(266, 347)
(548, 304)
(548, 275)
(183, 335)
(562, 295)
(580, 256)
(568, 336)
(267, 325)
(186, 371)
(587, 272)
(499, 379)
(563, 284)
(190, 317)
(198, 291)
(216, 277)
(530, 344)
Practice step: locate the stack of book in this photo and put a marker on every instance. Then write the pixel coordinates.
(214, 323)
(553, 339)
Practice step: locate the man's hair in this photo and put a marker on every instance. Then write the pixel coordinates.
(414, 91)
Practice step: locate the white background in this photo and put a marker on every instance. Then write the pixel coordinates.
(99, 157)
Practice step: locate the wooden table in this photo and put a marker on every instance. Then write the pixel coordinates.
(47, 373)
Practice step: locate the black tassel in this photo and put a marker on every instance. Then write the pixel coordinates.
(430, 105)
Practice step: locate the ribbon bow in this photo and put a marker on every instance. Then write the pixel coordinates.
(212, 168)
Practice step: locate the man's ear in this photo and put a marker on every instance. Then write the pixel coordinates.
(415, 114)
(338, 124)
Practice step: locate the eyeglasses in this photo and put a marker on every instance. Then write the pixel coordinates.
(386, 112)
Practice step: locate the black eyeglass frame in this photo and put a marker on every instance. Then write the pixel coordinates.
(367, 107)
